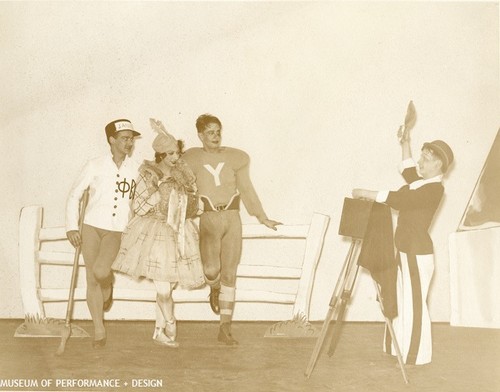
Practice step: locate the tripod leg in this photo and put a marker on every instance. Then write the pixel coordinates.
(345, 298)
(336, 328)
(319, 342)
(339, 289)
(388, 322)
(344, 273)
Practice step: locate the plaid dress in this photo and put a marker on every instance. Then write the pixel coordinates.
(159, 243)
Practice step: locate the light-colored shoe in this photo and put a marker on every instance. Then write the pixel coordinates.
(171, 329)
(160, 338)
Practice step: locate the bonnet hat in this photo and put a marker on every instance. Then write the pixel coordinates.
(164, 141)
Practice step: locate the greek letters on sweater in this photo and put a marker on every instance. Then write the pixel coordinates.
(111, 192)
(221, 175)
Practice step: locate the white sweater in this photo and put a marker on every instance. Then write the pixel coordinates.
(111, 192)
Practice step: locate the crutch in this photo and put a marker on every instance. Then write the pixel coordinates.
(66, 331)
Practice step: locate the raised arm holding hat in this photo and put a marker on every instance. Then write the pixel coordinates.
(111, 181)
(417, 203)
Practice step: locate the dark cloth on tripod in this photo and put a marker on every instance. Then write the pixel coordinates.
(377, 256)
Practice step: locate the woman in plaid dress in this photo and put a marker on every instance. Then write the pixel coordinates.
(161, 241)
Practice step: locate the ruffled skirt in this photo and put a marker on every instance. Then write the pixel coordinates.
(150, 248)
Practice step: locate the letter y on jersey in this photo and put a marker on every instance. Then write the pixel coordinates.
(215, 172)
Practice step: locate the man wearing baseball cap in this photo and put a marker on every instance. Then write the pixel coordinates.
(417, 203)
(111, 183)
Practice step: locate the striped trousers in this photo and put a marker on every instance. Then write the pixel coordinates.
(412, 326)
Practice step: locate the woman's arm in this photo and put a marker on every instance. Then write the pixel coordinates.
(146, 193)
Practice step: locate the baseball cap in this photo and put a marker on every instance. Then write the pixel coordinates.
(120, 125)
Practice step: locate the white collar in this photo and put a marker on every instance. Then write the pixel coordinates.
(417, 184)
(124, 162)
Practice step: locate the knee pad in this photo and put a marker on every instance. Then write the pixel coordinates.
(213, 282)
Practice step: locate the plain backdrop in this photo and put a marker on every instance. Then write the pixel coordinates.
(313, 91)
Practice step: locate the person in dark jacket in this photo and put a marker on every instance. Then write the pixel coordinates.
(417, 203)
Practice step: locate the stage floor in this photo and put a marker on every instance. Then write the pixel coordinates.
(465, 359)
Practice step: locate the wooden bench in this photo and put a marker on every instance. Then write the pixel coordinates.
(43, 247)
